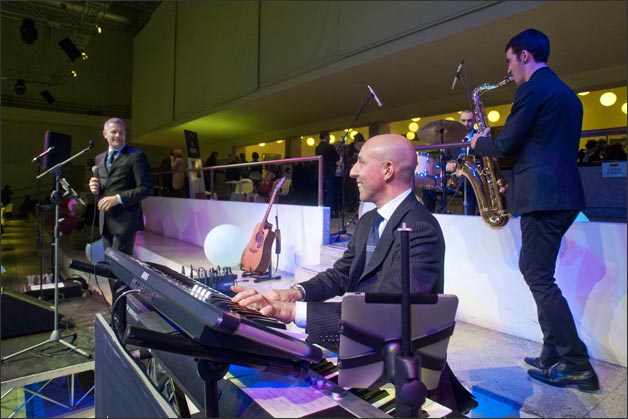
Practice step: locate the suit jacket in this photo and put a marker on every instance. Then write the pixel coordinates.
(130, 177)
(543, 133)
(383, 273)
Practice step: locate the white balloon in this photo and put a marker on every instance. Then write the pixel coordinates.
(224, 245)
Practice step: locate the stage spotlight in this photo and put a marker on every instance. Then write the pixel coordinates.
(20, 87)
(70, 49)
(48, 96)
(28, 31)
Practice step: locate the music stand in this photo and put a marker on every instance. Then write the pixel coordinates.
(380, 343)
(56, 335)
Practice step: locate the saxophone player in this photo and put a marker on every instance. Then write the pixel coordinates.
(542, 132)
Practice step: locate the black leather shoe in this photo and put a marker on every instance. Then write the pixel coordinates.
(560, 375)
(539, 363)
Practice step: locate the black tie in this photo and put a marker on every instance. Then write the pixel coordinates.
(371, 242)
(110, 159)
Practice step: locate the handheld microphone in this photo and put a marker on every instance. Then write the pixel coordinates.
(92, 143)
(457, 76)
(379, 102)
(95, 174)
(50, 149)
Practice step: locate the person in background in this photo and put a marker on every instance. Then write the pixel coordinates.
(384, 173)
(166, 175)
(352, 193)
(543, 133)
(177, 165)
(330, 157)
(6, 195)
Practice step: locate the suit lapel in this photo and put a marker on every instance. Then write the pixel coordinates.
(387, 238)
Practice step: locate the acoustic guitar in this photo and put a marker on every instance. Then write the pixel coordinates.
(257, 253)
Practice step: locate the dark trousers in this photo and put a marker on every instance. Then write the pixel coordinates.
(541, 234)
(329, 193)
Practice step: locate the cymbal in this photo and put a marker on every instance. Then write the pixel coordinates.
(452, 131)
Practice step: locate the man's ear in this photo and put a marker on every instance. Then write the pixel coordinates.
(389, 169)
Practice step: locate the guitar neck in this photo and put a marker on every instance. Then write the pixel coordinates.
(264, 222)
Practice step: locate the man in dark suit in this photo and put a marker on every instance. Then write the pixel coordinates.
(384, 172)
(123, 180)
(543, 133)
(330, 157)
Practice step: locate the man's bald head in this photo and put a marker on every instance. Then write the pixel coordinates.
(385, 168)
(398, 150)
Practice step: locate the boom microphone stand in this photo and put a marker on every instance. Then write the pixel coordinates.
(56, 335)
(465, 85)
(343, 227)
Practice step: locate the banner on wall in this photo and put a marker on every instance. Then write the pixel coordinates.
(195, 175)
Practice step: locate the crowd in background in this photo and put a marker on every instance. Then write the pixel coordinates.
(596, 151)
(303, 175)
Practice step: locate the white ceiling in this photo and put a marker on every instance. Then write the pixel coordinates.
(588, 40)
(589, 46)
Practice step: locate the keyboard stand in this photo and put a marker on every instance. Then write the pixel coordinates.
(212, 362)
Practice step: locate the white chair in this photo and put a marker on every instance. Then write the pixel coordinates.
(244, 186)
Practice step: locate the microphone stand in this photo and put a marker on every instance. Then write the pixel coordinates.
(40, 234)
(343, 227)
(56, 335)
(465, 85)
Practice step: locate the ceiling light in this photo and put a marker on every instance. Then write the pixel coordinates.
(413, 126)
(493, 116)
(262, 144)
(48, 96)
(608, 99)
(449, 118)
(70, 49)
(74, 73)
(584, 93)
(332, 138)
(28, 31)
(279, 141)
(84, 56)
(20, 86)
(352, 134)
(310, 141)
(417, 119)
(99, 29)
(410, 135)
(623, 108)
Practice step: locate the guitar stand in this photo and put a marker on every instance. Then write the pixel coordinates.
(267, 276)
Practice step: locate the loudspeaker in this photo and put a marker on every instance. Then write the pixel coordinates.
(24, 315)
(62, 144)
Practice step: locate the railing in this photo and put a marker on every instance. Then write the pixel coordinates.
(212, 170)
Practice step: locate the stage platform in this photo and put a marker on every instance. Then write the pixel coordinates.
(489, 363)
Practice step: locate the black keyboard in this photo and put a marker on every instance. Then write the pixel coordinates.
(207, 315)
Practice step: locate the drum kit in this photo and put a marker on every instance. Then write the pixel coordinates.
(430, 172)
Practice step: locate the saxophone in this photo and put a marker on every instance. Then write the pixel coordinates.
(486, 182)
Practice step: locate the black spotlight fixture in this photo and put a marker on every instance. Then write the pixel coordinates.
(20, 86)
(70, 49)
(48, 96)
(28, 31)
